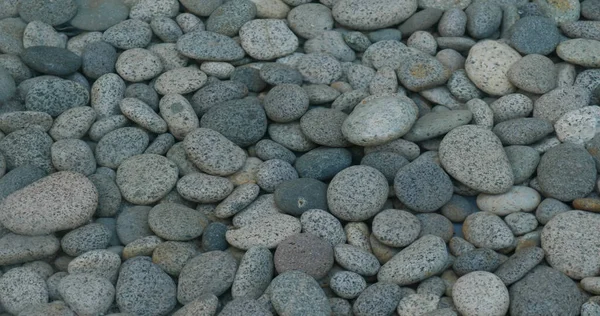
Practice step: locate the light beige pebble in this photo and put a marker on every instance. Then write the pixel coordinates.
(78, 43)
(357, 234)
(580, 51)
(482, 113)
(221, 70)
(266, 232)
(179, 115)
(565, 74)
(73, 123)
(141, 113)
(517, 199)
(591, 284)
(180, 81)
(38, 33)
(578, 126)
(271, 9)
(60, 201)
(138, 64)
(480, 293)
(487, 65)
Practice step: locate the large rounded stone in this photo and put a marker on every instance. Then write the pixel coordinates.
(372, 14)
(474, 156)
(63, 200)
(423, 186)
(357, 193)
(487, 65)
(213, 153)
(480, 293)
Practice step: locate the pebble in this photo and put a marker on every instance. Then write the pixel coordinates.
(318, 14)
(143, 288)
(462, 87)
(379, 298)
(99, 262)
(169, 56)
(418, 304)
(569, 234)
(267, 39)
(271, 173)
(566, 182)
(204, 188)
(511, 106)
(319, 68)
(242, 196)
(221, 70)
(355, 259)
(147, 178)
(73, 123)
(38, 33)
(581, 29)
(209, 273)
(591, 284)
(481, 259)
(245, 306)
(423, 186)
(322, 224)
(590, 10)
(297, 293)
(17, 249)
(523, 161)
(297, 196)
(533, 73)
(519, 264)
(372, 15)
(106, 94)
(458, 246)
(85, 238)
(483, 19)
(118, 145)
(453, 23)
(249, 76)
(517, 199)
(228, 18)
(55, 96)
(98, 58)
(254, 273)
(176, 222)
(534, 35)
(480, 150)
(180, 81)
(388, 163)
(210, 46)
(93, 17)
(286, 103)
(394, 116)
(87, 294)
(323, 163)
(523, 131)
(421, 20)
(12, 121)
(562, 11)
(145, 10)
(138, 64)
(347, 284)
(480, 292)
(73, 155)
(358, 235)
(128, 34)
(487, 66)
(549, 208)
(577, 51)
(544, 291)
(304, 252)
(321, 93)
(487, 230)
(21, 288)
(203, 9)
(267, 232)
(142, 247)
(357, 193)
(435, 224)
(396, 228)
(278, 73)
(204, 305)
(178, 115)
(554, 104)
(428, 253)
(420, 72)
(63, 200)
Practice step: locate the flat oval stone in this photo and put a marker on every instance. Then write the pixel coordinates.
(204, 45)
(522, 131)
(578, 126)
(378, 120)
(266, 39)
(12, 121)
(178, 114)
(357, 193)
(145, 179)
(180, 81)
(372, 14)
(523, 161)
(487, 230)
(15, 249)
(55, 96)
(425, 257)
(138, 64)
(554, 104)
(254, 273)
(321, 223)
(53, 13)
(120, 144)
(487, 65)
(355, 259)
(85, 238)
(51, 60)
(380, 298)
(297, 293)
(517, 199)
(480, 293)
(73, 123)
(204, 188)
(396, 228)
(517, 266)
(568, 240)
(324, 126)
(60, 201)
(213, 153)
(562, 181)
(474, 156)
(435, 124)
(173, 221)
(142, 114)
(304, 252)
(93, 15)
(128, 34)
(266, 232)
(212, 272)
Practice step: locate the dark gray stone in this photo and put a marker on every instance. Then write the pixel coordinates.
(267, 149)
(386, 162)
(423, 186)
(296, 293)
(534, 35)
(211, 272)
(51, 60)
(300, 195)
(323, 163)
(143, 92)
(379, 299)
(250, 77)
(132, 224)
(51, 12)
(517, 266)
(120, 144)
(132, 33)
(242, 121)
(19, 178)
(216, 93)
(483, 19)
(98, 58)
(304, 252)
(420, 21)
(85, 238)
(213, 237)
(522, 131)
(54, 96)
(278, 73)
(482, 259)
(204, 45)
(94, 17)
(286, 102)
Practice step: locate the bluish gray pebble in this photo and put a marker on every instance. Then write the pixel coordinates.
(243, 122)
(323, 163)
(296, 196)
(213, 237)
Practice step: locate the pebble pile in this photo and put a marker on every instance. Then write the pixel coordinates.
(299, 157)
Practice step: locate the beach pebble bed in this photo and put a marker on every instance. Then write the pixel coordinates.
(299, 157)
